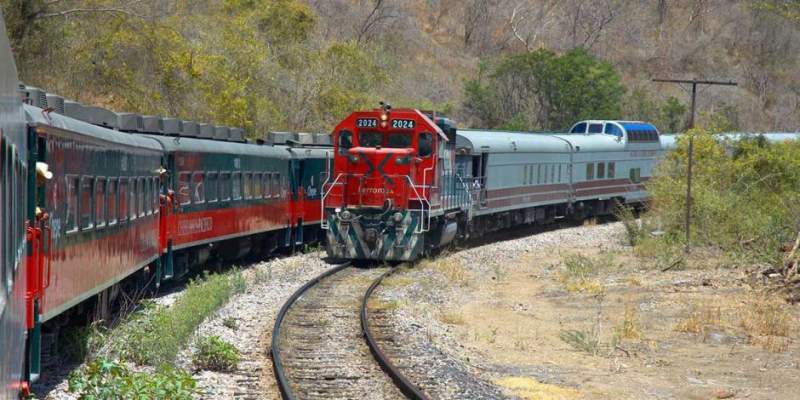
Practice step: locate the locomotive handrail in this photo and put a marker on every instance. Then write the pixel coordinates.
(325, 193)
(423, 201)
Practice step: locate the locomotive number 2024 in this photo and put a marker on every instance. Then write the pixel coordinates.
(403, 123)
(366, 123)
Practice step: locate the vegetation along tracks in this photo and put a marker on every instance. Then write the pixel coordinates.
(318, 341)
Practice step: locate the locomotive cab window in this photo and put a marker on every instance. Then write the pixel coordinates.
(345, 141)
(370, 139)
(425, 144)
(398, 140)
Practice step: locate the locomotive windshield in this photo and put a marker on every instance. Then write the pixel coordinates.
(395, 140)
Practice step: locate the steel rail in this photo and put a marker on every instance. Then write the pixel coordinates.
(277, 364)
(409, 389)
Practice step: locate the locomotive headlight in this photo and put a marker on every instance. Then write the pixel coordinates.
(384, 117)
(398, 217)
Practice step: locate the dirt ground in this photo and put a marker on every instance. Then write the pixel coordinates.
(575, 323)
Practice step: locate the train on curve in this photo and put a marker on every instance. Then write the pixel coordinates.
(94, 202)
(405, 183)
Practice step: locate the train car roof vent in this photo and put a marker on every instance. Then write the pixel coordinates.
(305, 138)
(171, 126)
(323, 139)
(222, 132)
(55, 102)
(34, 96)
(237, 135)
(75, 110)
(281, 137)
(206, 131)
(189, 129)
(152, 124)
(129, 122)
(102, 117)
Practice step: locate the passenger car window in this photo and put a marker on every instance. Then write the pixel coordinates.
(580, 128)
(123, 199)
(141, 194)
(257, 191)
(345, 141)
(589, 171)
(212, 191)
(72, 203)
(85, 206)
(595, 128)
(100, 202)
(225, 186)
(425, 144)
(237, 185)
(601, 170)
(248, 185)
(184, 189)
(111, 203)
(132, 199)
(198, 188)
(612, 170)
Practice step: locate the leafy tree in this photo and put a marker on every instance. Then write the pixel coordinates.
(673, 114)
(543, 90)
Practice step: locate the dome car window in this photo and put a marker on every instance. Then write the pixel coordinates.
(612, 129)
(580, 128)
(425, 144)
(595, 128)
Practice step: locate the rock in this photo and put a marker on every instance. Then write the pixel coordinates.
(723, 393)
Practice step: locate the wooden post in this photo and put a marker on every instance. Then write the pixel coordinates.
(689, 195)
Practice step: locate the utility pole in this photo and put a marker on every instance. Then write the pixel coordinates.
(690, 150)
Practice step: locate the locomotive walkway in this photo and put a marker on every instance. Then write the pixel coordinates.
(322, 346)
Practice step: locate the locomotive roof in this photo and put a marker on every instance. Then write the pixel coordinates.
(172, 143)
(37, 116)
(480, 141)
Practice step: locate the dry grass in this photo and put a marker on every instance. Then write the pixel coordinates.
(700, 320)
(452, 317)
(452, 270)
(766, 322)
(629, 327)
(579, 273)
(531, 389)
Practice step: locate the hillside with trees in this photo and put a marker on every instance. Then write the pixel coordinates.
(518, 64)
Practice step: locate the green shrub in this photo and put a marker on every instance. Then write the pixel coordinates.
(105, 379)
(215, 354)
(155, 335)
(634, 231)
(743, 195)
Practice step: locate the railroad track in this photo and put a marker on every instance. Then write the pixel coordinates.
(322, 347)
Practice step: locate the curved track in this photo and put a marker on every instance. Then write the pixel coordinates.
(322, 346)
